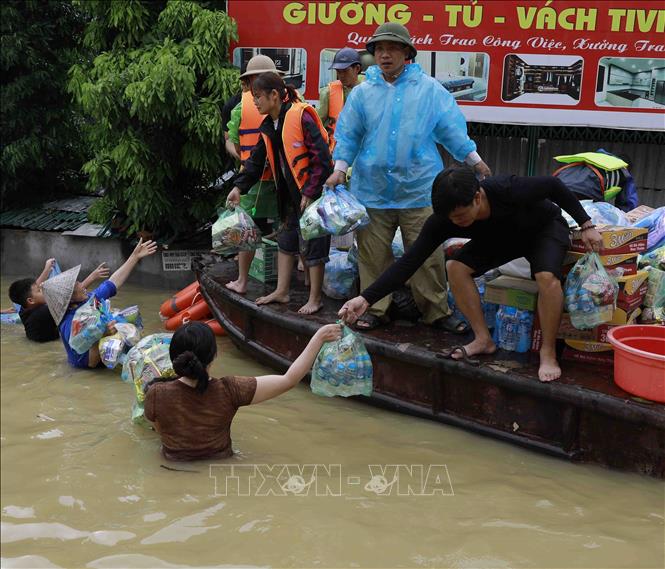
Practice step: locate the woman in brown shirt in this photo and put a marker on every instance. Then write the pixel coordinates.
(193, 413)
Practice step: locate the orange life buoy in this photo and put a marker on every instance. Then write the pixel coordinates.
(179, 301)
(198, 311)
(216, 327)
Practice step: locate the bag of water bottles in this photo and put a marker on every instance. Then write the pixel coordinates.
(235, 231)
(512, 329)
(590, 293)
(339, 279)
(88, 325)
(343, 367)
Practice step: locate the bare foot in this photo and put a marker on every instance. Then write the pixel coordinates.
(311, 307)
(549, 369)
(273, 297)
(476, 347)
(237, 286)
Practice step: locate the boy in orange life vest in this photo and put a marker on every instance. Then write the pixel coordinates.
(295, 144)
(333, 96)
(243, 128)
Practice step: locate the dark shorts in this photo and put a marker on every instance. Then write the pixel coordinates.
(545, 250)
(315, 251)
(264, 225)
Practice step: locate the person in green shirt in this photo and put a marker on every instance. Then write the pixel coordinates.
(261, 199)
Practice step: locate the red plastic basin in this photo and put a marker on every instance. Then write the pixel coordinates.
(639, 360)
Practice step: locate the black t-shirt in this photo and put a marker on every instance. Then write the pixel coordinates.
(39, 324)
(519, 207)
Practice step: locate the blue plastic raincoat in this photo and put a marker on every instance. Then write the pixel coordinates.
(388, 132)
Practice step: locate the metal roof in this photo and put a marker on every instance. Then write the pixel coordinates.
(61, 215)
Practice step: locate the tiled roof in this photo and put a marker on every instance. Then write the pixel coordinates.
(61, 215)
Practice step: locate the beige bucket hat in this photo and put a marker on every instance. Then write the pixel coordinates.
(260, 64)
(58, 292)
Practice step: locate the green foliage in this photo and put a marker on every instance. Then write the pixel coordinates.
(42, 151)
(158, 78)
(101, 211)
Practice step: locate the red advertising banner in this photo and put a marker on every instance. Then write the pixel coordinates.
(597, 63)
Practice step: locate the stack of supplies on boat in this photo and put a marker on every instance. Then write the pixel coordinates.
(624, 283)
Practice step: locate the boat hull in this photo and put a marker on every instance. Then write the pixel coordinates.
(502, 399)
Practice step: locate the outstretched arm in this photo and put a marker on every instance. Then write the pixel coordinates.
(48, 266)
(143, 249)
(269, 386)
(101, 272)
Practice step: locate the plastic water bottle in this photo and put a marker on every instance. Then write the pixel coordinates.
(525, 324)
(489, 311)
(506, 333)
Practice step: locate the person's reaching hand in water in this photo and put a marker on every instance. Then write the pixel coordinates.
(64, 295)
(27, 293)
(193, 413)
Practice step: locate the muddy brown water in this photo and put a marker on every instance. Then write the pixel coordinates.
(84, 487)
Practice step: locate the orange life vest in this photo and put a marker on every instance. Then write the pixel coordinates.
(335, 104)
(250, 121)
(293, 140)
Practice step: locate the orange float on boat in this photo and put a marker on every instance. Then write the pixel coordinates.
(198, 311)
(179, 301)
(216, 327)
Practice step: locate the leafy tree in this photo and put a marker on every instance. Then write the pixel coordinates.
(42, 151)
(154, 93)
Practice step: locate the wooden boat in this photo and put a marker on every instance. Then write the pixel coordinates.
(582, 417)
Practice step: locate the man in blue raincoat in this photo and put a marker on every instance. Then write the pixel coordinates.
(388, 130)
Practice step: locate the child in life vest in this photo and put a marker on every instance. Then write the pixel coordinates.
(193, 413)
(294, 143)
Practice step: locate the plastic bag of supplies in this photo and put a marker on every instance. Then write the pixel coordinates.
(88, 325)
(338, 213)
(339, 279)
(235, 231)
(343, 367)
(590, 293)
(146, 361)
(311, 224)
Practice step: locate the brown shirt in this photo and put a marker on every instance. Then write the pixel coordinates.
(196, 425)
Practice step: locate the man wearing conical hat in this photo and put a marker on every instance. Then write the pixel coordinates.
(64, 294)
(388, 130)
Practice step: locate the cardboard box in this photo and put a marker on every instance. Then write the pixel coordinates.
(568, 332)
(604, 359)
(616, 240)
(512, 291)
(583, 346)
(598, 334)
(632, 290)
(596, 353)
(640, 212)
(622, 317)
(624, 263)
(264, 264)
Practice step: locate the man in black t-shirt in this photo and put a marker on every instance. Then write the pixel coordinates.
(35, 316)
(506, 217)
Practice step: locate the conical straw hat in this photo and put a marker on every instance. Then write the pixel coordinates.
(58, 292)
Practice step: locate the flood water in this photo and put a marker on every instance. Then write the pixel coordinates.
(84, 487)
